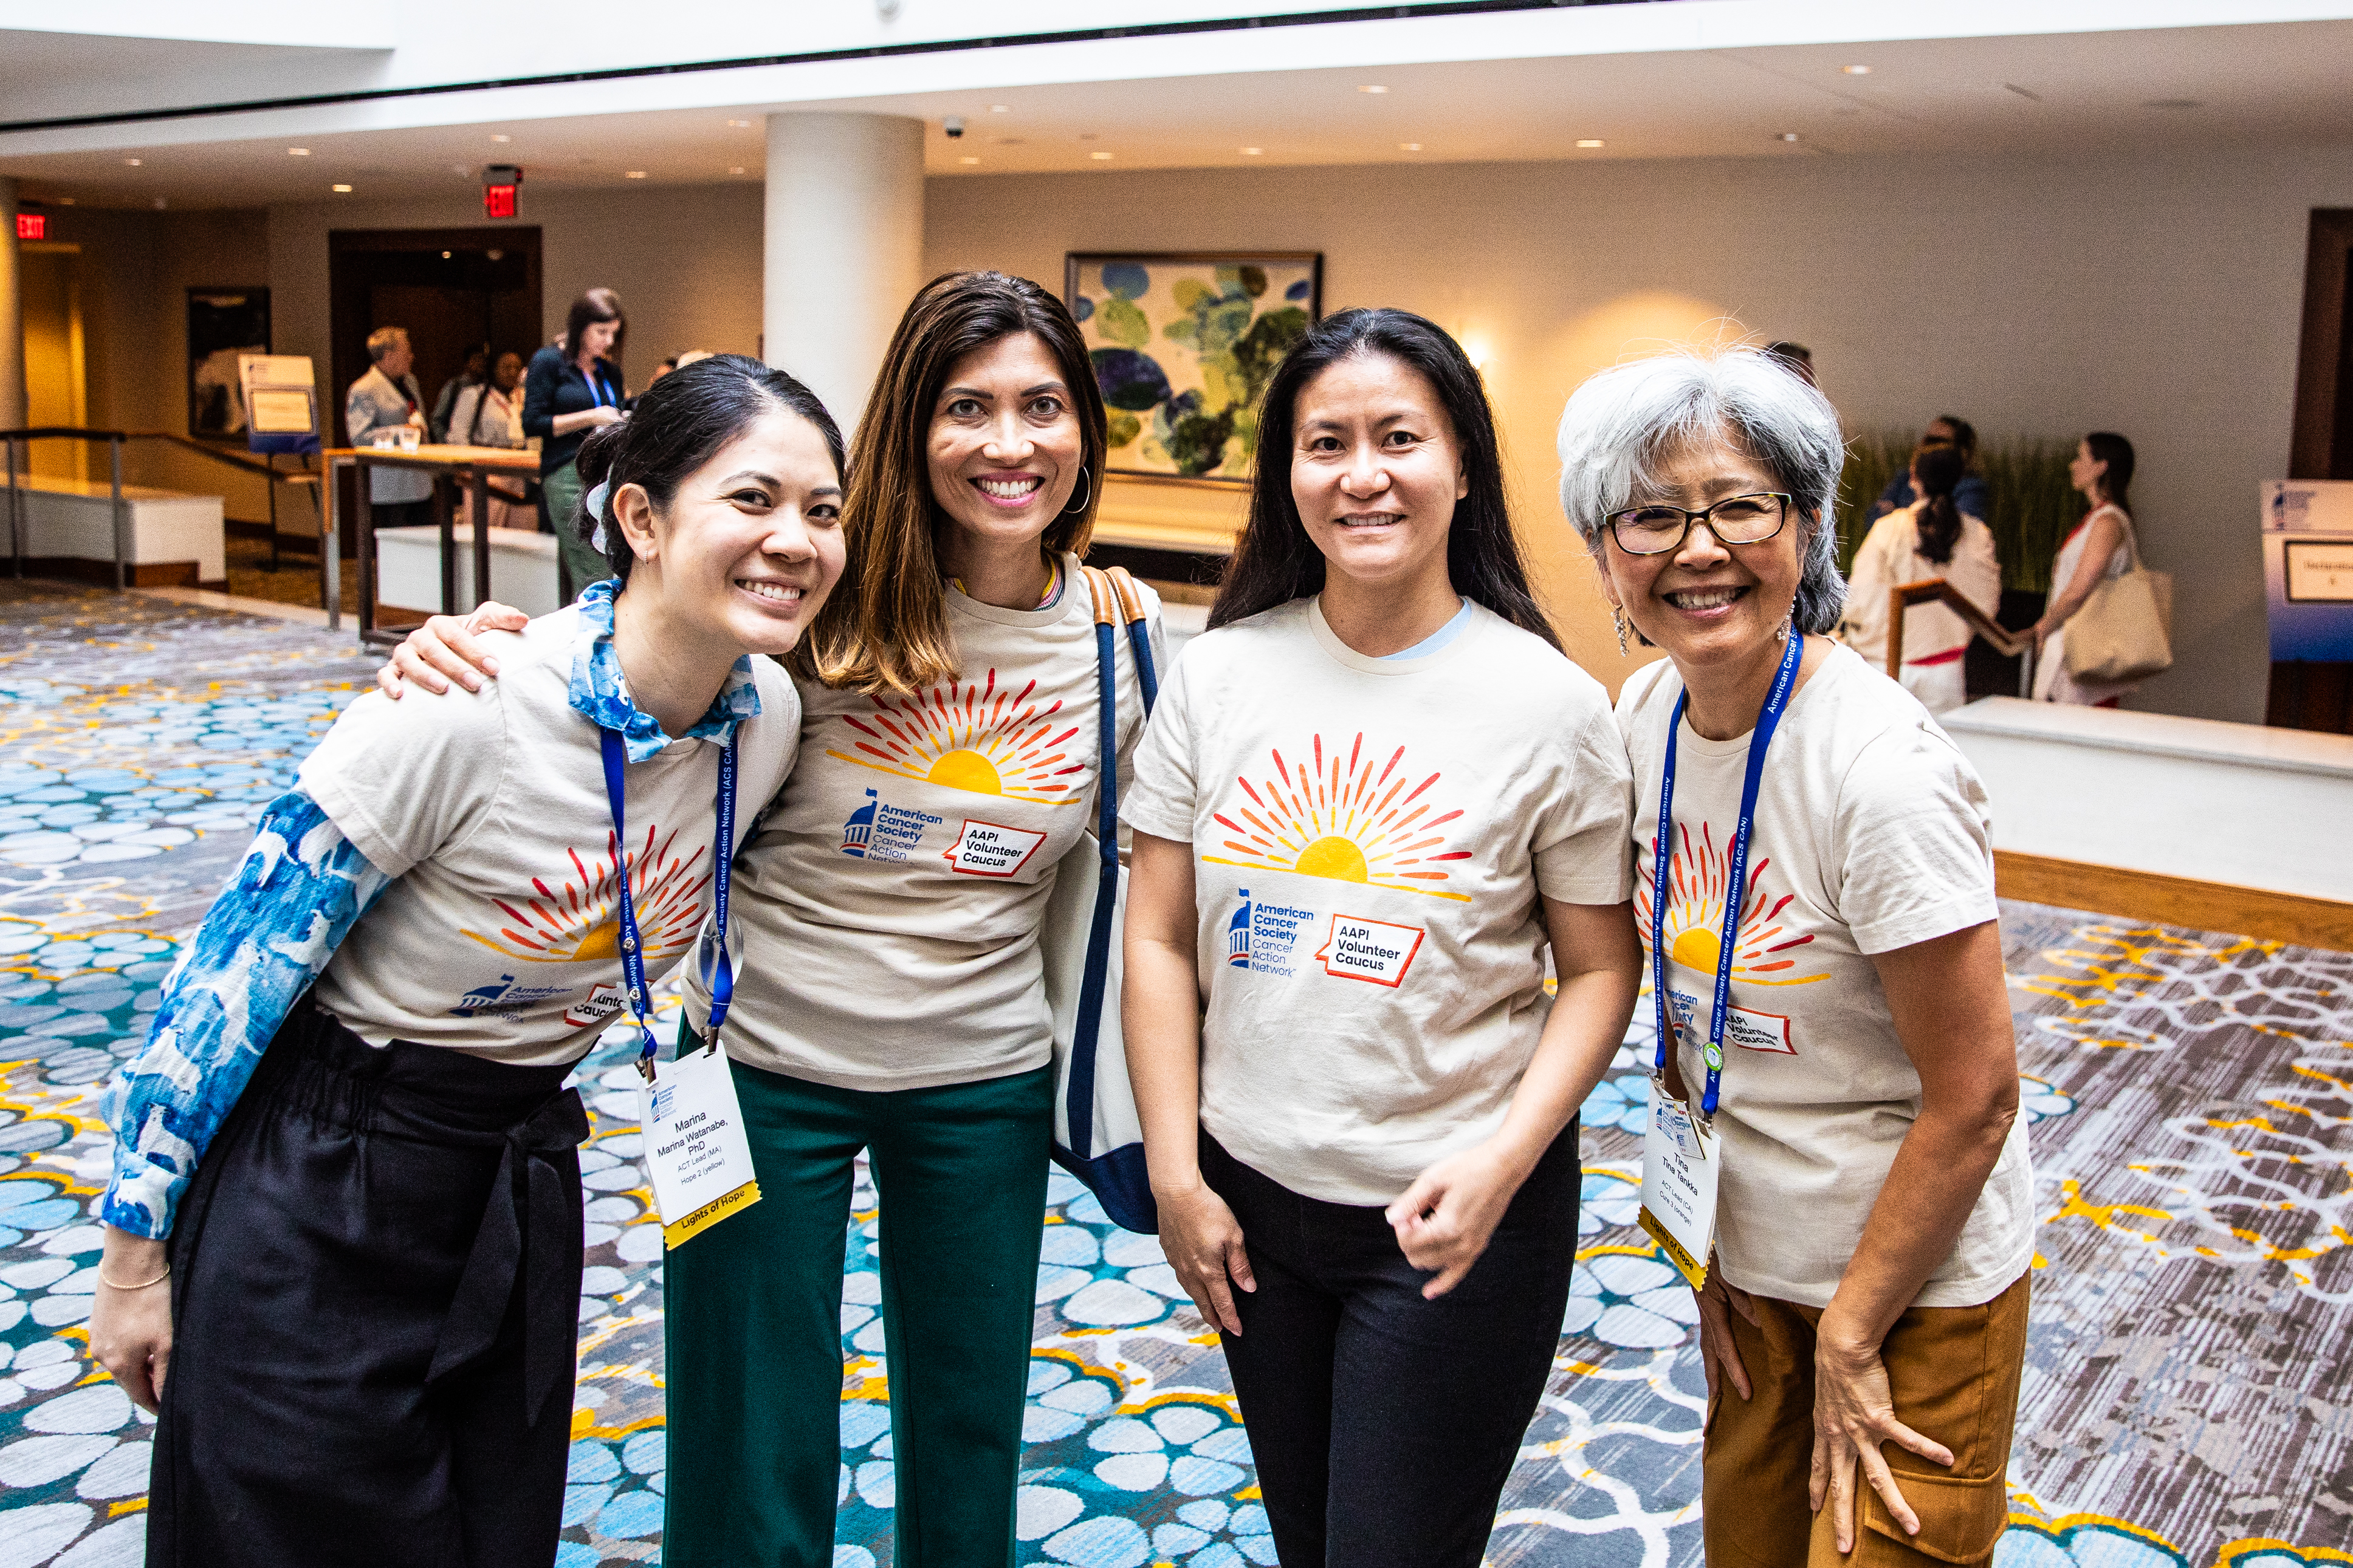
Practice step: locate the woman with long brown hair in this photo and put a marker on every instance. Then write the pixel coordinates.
(572, 387)
(891, 992)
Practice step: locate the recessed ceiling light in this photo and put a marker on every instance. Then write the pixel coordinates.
(462, 168)
(445, 256)
(1253, 151)
(1408, 146)
(967, 160)
(740, 124)
(735, 168)
(1588, 142)
(344, 188)
(1372, 88)
(634, 174)
(134, 163)
(1788, 136)
(298, 151)
(1000, 109)
(1856, 70)
(502, 138)
(1086, 135)
(66, 201)
(1099, 157)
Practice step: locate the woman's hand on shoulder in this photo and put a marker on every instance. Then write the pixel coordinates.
(444, 649)
(1203, 1242)
(131, 1329)
(1446, 1218)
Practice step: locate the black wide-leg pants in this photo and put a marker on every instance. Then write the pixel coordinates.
(375, 1291)
(1384, 1427)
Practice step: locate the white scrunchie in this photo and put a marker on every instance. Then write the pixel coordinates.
(596, 505)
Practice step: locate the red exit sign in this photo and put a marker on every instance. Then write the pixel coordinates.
(32, 226)
(498, 201)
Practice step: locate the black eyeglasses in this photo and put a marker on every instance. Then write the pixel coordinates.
(1735, 520)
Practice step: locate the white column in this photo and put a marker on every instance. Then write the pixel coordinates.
(12, 317)
(844, 248)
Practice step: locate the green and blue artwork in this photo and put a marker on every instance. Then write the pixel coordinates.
(1183, 345)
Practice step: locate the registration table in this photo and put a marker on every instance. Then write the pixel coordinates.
(457, 469)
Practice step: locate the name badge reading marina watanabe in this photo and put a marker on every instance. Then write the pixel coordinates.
(695, 1146)
(1681, 1161)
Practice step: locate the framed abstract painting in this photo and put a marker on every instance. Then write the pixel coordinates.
(1183, 343)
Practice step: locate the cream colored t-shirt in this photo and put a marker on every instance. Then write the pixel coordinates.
(889, 902)
(500, 934)
(1872, 832)
(1369, 839)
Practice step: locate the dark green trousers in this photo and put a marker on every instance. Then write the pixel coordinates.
(753, 1323)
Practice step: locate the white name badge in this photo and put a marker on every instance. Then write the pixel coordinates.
(1681, 1161)
(695, 1146)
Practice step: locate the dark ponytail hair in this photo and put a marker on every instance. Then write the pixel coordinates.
(2108, 447)
(1276, 561)
(1938, 466)
(680, 423)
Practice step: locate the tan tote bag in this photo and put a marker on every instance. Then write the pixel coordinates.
(2124, 630)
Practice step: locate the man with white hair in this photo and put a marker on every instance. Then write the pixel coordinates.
(386, 398)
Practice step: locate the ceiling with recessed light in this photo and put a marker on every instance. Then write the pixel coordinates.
(2178, 87)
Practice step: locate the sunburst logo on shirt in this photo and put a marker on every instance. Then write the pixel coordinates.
(578, 920)
(1697, 877)
(972, 737)
(1367, 819)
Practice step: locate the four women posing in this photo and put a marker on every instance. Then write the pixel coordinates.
(1374, 798)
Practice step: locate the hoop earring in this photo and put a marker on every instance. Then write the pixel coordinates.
(1618, 613)
(1089, 496)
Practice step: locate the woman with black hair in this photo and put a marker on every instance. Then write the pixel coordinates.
(572, 387)
(2102, 546)
(343, 1229)
(1932, 537)
(1369, 797)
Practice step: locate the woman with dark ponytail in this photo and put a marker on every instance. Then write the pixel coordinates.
(345, 1214)
(1933, 537)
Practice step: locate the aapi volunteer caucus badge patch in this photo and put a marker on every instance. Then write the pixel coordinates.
(1376, 950)
(695, 1147)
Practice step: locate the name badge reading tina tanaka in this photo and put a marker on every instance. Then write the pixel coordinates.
(1682, 1158)
(695, 1146)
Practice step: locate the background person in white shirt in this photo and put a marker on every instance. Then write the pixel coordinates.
(387, 397)
(490, 413)
(1369, 798)
(890, 996)
(1932, 537)
(1873, 1226)
(344, 1232)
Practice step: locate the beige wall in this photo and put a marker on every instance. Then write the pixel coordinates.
(2160, 298)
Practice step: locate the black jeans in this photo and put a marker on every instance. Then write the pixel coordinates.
(1384, 1427)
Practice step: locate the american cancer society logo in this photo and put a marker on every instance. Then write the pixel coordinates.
(858, 832)
(1237, 932)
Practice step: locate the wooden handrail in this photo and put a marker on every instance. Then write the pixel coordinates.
(1936, 591)
(200, 449)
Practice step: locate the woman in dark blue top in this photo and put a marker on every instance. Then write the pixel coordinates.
(572, 388)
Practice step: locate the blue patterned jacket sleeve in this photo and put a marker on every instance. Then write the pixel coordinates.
(300, 889)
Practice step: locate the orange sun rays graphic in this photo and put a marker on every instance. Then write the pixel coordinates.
(580, 919)
(1347, 821)
(1696, 880)
(973, 738)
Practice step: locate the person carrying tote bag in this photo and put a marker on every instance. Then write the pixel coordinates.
(2124, 632)
(2094, 658)
(1097, 1136)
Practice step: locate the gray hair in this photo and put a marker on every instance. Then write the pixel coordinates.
(380, 342)
(1621, 423)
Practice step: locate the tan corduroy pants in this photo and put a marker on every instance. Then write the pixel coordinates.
(1954, 1371)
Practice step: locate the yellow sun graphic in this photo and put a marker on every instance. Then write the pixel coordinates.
(1696, 877)
(1344, 821)
(973, 738)
(580, 920)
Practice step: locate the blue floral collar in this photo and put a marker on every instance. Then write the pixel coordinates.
(601, 695)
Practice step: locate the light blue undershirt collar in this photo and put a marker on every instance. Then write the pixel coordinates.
(601, 694)
(1438, 640)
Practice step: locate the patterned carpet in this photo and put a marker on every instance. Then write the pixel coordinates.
(2188, 1400)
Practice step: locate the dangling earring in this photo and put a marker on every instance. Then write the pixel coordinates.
(1084, 498)
(1618, 613)
(1781, 635)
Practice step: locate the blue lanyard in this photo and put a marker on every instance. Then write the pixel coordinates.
(595, 388)
(1735, 895)
(633, 960)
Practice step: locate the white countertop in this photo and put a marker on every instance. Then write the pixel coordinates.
(2158, 734)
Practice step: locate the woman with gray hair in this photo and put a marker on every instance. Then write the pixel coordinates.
(1849, 1196)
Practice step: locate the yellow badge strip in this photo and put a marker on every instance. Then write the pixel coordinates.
(1694, 1272)
(711, 1214)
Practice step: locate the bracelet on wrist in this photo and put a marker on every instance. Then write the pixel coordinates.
(142, 1285)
